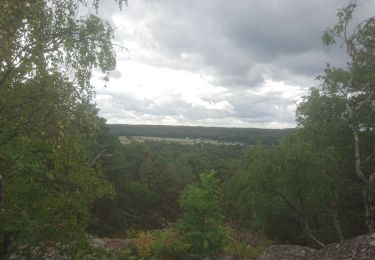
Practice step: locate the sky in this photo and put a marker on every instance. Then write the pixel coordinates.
(238, 63)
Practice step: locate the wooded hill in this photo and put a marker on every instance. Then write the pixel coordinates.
(65, 177)
(241, 135)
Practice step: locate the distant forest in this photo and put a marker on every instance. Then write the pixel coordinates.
(68, 185)
(247, 136)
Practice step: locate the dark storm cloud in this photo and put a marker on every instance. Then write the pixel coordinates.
(237, 44)
(232, 36)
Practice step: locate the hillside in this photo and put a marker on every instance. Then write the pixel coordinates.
(238, 135)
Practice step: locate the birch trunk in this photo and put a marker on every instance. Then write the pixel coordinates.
(368, 201)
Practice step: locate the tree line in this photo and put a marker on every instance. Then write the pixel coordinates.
(248, 136)
(64, 173)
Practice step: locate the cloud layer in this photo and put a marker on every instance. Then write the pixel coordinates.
(217, 62)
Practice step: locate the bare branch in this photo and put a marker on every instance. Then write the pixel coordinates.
(97, 157)
(364, 101)
(368, 158)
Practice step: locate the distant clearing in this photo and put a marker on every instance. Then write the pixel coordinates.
(198, 134)
(183, 141)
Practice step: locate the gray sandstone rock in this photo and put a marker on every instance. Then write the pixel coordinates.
(359, 248)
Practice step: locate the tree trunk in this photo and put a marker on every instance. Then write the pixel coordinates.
(311, 235)
(301, 213)
(337, 225)
(367, 198)
(369, 209)
(5, 245)
(2, 188)
(335, 215)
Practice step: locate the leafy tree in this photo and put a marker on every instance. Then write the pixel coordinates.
(48, 128)
(344, 105)
(292, 181)
(201, 217)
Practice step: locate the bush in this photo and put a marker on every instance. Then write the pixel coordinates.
(169, 245)
(200, 221)
(143, 244)
(242, 250)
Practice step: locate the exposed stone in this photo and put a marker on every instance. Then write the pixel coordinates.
(110, 243)
(285, 252)
(361, 248)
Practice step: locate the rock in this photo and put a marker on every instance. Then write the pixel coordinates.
(361, 248)
(110, 244)
(285, 252)
(98, 243)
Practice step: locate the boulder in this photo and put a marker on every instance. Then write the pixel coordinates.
(361, 248)
(285, 252)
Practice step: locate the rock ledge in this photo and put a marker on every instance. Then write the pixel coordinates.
(361, 248)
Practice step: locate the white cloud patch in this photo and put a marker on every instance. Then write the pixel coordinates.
(216, 62)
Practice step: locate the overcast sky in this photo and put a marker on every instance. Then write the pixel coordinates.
(238, 63)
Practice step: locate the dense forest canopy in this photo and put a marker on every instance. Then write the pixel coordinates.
(240, 135)
(66, 177)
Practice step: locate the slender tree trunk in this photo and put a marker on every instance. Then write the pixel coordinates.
(5, 245)
(203, 230)
(368, 201)
(6, 237)
(369, 209)
(335, 215)
(301, 213)
(311, 235)
(2, 188)
(337, 224)
(306, 224)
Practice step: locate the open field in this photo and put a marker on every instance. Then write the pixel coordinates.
(184, 141)
(197, 134)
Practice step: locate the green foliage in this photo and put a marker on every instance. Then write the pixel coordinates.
(49, 181)
(200, 220)
(280, 187)
(246, 136)
(165, 244)
(340, 113)
(143, 244)
(128, 254)
(169, 245)
(303, 189)
(48, 127)
(149, 179)
(242, 250)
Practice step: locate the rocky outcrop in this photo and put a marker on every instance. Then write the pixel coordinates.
(110, 244)
(361, 248)
(285, 252)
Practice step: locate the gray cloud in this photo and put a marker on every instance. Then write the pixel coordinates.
(231, 37)
(238, 44)
(174, 106)
(241, 105)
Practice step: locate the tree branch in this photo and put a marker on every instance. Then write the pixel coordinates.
(97, 157)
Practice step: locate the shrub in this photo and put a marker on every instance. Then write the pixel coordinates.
(242, 250)
(169, 245)
(143, 244)
(200, 221)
